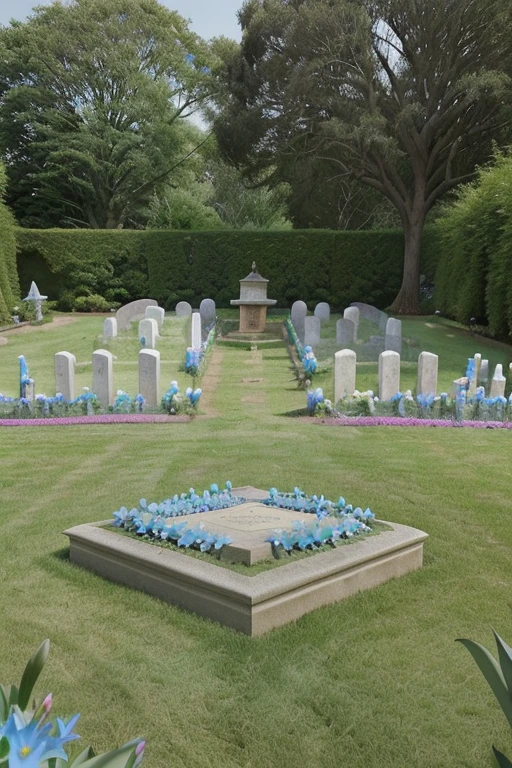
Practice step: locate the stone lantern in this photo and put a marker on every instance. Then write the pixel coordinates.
(253, 302)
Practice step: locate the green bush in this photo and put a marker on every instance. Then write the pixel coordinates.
(93, 303)
(9, 286)
(169, 266)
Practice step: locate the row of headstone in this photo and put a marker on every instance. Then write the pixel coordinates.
(103, 376)
(152, 311)
(389, 374)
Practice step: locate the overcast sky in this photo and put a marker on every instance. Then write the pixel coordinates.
(209, 19)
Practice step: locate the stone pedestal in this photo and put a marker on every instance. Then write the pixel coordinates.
(253, 318)
(253, 302)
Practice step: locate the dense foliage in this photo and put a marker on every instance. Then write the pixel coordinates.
(169, 266)
(402, 96)
(9, 286)
(473, 276)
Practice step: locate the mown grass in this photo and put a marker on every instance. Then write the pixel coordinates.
(374, 682)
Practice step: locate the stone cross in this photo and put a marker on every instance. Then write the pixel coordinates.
(389, 374)
(344, 373)
(103, 377)
(65, 375)
(427, 374)
(35, 296)
(149, 376)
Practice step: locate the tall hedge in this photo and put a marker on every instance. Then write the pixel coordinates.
(312, 265)
(9, 286)
(474, 273)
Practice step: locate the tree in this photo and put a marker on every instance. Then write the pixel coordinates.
(92, 96)
(401, 95)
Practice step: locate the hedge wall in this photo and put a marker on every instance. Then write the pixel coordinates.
(9, 286)
(312, 265)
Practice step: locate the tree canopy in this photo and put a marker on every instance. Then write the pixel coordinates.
(91, 99)
(403, 97)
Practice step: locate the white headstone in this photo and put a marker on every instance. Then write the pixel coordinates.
(109, 328)
(103, 377)
(148, 329)
(498, 382)
(208, 311)
(149, 376)
(478, 367)
(311, 330)
(352, 313)
(183, 309)
(344, 373)
(483, 378)
(155, 313)
(389, 374)
(427, 374)
(345, 332)
(195, 332)
(393, 337)
(298, 313)
(322, 311)
(65, 375)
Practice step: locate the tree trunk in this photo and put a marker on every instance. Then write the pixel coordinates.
(407, 301)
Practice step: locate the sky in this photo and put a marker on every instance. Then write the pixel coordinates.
(209, 19)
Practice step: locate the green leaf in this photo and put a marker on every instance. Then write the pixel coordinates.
(31, 673)
(124, 757)
(4, 747)
(492, 673)
(82, 757)
(505, 657)
(4, 706)
(503, 761)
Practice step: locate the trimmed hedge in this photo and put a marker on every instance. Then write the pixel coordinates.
(9, 286)
(170, 266)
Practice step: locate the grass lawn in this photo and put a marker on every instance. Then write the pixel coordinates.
(374, 682)
(81, 335)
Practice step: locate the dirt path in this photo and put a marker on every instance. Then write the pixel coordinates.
(56, 323)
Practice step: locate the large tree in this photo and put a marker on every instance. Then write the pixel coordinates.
(92, 96)
(403, 96)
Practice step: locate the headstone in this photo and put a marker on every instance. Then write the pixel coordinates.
(148, 329)
(322, 311)
(183, 309)
(312, 330)
(393, 337)
(208, 311)
(427, 374)
(149, 376)
(483, 379)
(196, 331)
(372, 313)
(389, 374)
(299, 312)
(155, 313)
(352, 313)
(133, 311)
(344, 373)
(345, 332)
(498, 382)
(478, 366)
(103, 377)
(109, 328)
(65, 375)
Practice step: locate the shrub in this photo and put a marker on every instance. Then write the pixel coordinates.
(92, 303)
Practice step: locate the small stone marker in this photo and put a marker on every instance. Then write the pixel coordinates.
(344, 373)
(393, 337)
(345, 332)
(389, 374)
(427, 374)
(483, 378)
(148, 328)
(183, 309)
(299, 312)
(149, 376)
(103, 377)
(312, 330)
(110, 328)
(498, 382)
(208, 312)
(352, 313)
(322, 311)
(156, 313)
(195, 332)
(65, 375)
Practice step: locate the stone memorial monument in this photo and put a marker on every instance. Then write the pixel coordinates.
(35, 296)
(253, 302)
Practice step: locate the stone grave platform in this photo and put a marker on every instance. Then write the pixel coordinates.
(249, 604)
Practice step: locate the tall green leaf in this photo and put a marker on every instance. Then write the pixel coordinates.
(492, 673)
(124, 757)
(31, 673)
(503, 761)
(505, 657)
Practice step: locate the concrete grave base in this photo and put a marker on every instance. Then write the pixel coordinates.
(249, 604)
